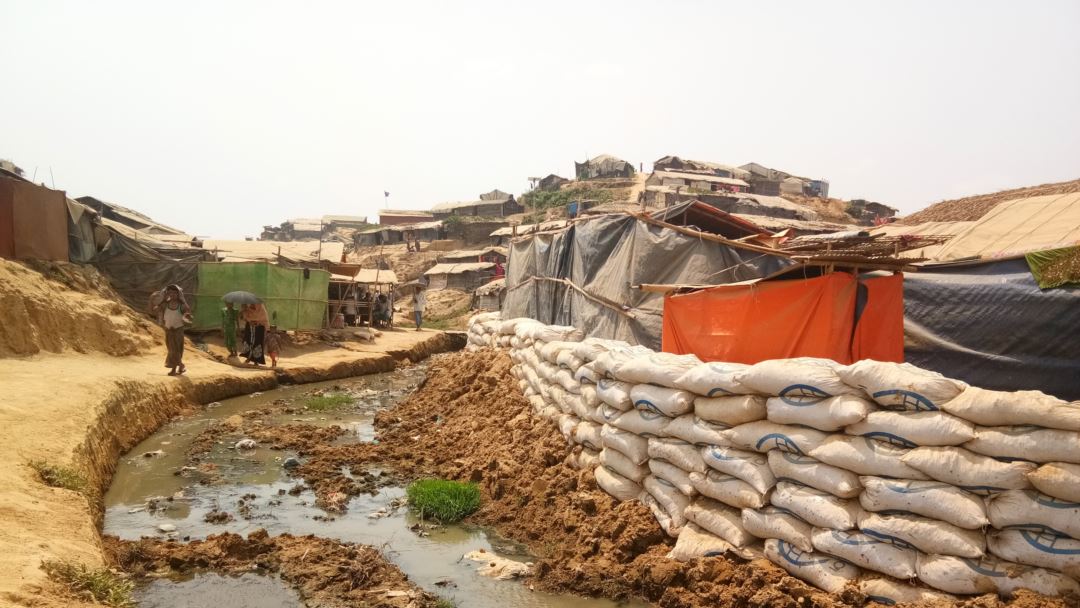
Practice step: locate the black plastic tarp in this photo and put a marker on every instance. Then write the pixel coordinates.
(991, 326)
(605, 257)
(135, 271)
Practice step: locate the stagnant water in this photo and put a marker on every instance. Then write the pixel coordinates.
(434, 562)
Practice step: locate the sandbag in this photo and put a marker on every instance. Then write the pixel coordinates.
(799, 380)
(670, 498)
(1058, 479)
(566, 380)
(672, 475)
(578, 408)
(670, 402)
(634, 447)
(714, 379)
(614, 393)
(660, 369)
(932, 499)
(816, 507)
(1017, 408)
(584, 459)
(1030, 510)
(623, 465)
(606, 362)
(901, 386)
(774, 522)
(751, 467)
(670, 525)
(762, 436)
(727, 489)
(644, 423)
(914, 429)
(810, 472)
(588, 435)
(596, 414)
(567, 425)
(695, 542)
(831, 414)
(586, 374)
(822, 571)
(719, 519)
(866, 552)
(731, 410)
(591, 348)
(616, 485)
(1059, 553)
(865, 457)
(968, 470)
(989, 575)
(684, 455)
(554, 333)
(588, 394)
(1026, 443)
(888, 592)
(608, 413)
(694, 430)
(926, 535)
(566, 359)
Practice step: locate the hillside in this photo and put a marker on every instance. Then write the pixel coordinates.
(972, 208)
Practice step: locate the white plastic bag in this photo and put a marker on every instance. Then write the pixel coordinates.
(968, 470)
(798, 380)
(614, 393)
(1058, 479)
(831, 414)
(670, 402)
(588, 435)
(672, 475)
(623, 465)
(1030, 510)
(866, 552)
(926, 535)
(762, 436)
(932, 499)
(989, 575)
(1018, 408)
(684, 455)
(1026, 443)
(730, 410)
(616, 485)
(714, 379)
(634, 447)
(719, 519)
(818, 508)
(865, 457)
(1059, 553)
(694, 430)
(901, 385)
(914, 429)
(810, 472)
(646, 424)
(661, 369)
(822, 571)
(695, 542)
(751, 467)
(774, 522)
(727, 489)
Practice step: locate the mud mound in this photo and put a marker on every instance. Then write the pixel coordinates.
(975, 207)
(62, 307)
(325, 572)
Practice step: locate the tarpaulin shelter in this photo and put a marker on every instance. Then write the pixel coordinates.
(295, 298)
(836, 316)
(465, 276)
(135, 269)
(33, 220)
(489, 296)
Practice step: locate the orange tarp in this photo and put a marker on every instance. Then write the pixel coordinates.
(783, 319)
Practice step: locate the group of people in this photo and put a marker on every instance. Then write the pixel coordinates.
(259, 339)
(380, 304)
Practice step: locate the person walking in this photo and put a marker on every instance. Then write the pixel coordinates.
(173, 313)
(273, 345)
(230, 321)
(255, 333)
(419, 302)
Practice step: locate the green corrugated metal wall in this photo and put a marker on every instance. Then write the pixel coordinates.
(292, 301)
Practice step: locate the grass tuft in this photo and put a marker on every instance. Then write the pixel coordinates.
(59, 476)
(102, 584)
(443, 500)
(442, 602)
(322, 403)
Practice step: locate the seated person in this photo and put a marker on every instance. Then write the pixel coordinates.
(381, 313)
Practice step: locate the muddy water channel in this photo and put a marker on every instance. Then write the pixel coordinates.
(161, 490)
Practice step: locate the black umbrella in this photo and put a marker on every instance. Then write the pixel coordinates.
(241, 297)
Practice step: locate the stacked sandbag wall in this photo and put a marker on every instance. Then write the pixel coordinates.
(876, 474)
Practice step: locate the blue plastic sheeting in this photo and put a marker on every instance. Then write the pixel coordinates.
(991, 326)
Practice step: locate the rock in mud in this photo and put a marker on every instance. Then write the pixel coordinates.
(166, 528)
(290, 463)
(245, 444)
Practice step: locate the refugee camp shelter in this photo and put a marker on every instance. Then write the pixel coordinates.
(345, 288)
(301, 252)
(489, 207)
(128, 217)
(390, 217)
(697, 182)
(603, 166)
(674, 163)
(34, 220)
(463, 276)
(295, 298)
(489, 296)
(488, 254)
(551, 183)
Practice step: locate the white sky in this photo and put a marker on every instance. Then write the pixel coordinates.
(219, 117)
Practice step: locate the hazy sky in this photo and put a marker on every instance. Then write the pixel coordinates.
(219, 117)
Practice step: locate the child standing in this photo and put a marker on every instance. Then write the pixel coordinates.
(273, 345)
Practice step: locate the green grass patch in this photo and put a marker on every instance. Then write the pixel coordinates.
(104, 585)
(58, 476)
(322, 403)
(443, 500)
(442, 602)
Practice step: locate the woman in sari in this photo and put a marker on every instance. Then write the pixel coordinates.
(256, 322)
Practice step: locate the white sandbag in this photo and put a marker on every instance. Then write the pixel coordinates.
(557, 395)
(727, 489)
(1030, 510)
(866, 552)
(547, 371)
(584, 459)
(901, 386)
(634, 447)
(586, 374)
(579, 409)
(719, 519)
(926, 535)
(567, 425)
(822, 571)
(1059, 553)
(566, 380)
(537, 403)
(590, 348)
(555, 333)
(670, 525)
(914, 429)
(989, 575)
(695, 542)
(660, 369)
(615, 393)
(670, 498)
(605, 363)
(774, 522)
(865, 457)
(588, 435)
(1026, 443)
(751, 467)
(762, 436)
(608, 413)
(692, 429)
(932, 499)
(1017, 408)
(798, 380)
(515, 343)
(596, 414)
(672, 476)
(816, 507)
(968, 470)
(811, 472)
(731, 410)
(621, 464)
(715, 379)
(588, 393)
(616, 485)
(684, 455)
(509, 326)
(670, 402)
(566, 359)
(645, 423)
(831, 414)
(1058, 479)
(888, 592)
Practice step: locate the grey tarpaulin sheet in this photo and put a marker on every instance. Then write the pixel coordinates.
(135, 271)
(605, 256)
(991, 326)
